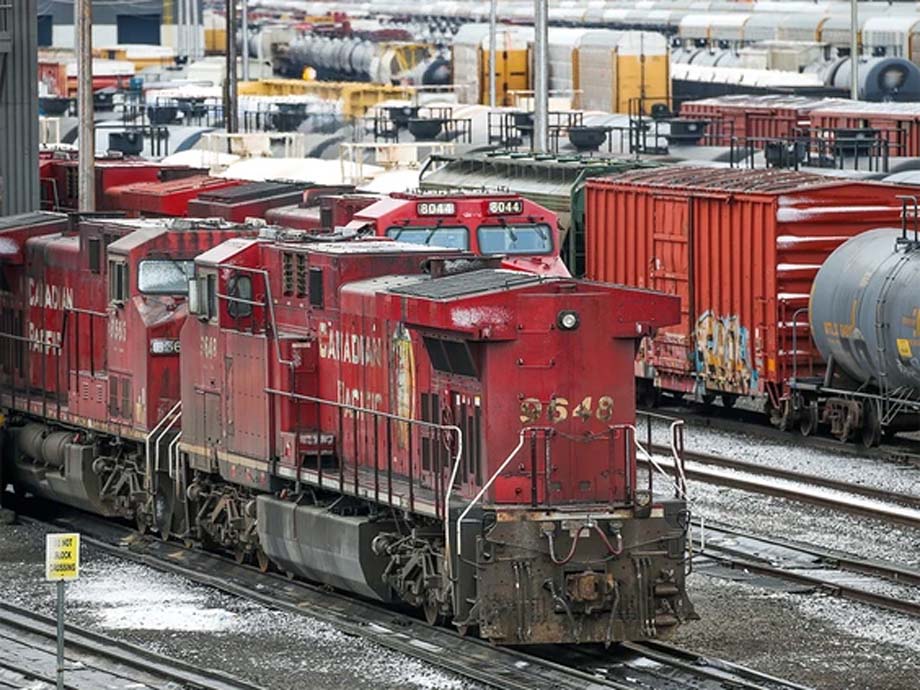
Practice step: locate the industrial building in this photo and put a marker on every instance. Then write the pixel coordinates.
(18, 108)
(114, 22)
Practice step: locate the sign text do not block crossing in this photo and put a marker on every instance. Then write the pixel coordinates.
(62, 557)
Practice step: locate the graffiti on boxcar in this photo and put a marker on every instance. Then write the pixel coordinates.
(723, 354)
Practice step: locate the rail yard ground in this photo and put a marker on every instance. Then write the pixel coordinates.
(786, 631)
(177, 618)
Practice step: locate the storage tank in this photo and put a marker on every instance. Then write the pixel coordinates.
(863, 308)
(880, 79)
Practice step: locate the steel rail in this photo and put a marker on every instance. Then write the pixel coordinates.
(826, 560)
(474, 659)
(120, 652)
(470, 657)
(871, 492)
(887, 512)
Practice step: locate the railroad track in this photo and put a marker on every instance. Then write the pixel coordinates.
(809, 488)
(31, 637)
(899, 450)
(664, 667)
(884, 585)
(498, 667)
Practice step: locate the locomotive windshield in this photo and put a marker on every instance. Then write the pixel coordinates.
(453, 237)
(530, 238)
(164, 276)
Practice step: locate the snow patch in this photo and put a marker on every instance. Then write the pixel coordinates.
(471, 317)
(789, 214)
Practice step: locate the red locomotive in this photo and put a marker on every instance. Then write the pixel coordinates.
(407, 422)
(89, 354)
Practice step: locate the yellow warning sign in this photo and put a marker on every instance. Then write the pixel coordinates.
(904, 348)
(62, 556)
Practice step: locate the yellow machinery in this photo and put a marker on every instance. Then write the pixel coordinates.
(356, 97)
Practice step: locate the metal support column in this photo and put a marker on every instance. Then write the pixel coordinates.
(86, 161)
(854, 50)
(244, 32)
(541, 78)
(60, 631)
(231, 90)
(493, 20)
(181, 31)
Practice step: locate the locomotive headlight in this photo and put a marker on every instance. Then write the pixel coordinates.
(164, 346)
(567, 320)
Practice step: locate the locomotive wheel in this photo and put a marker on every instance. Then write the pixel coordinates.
(141, 522)
(844, 431)
(808, 424)
(432, 610)
(783, 416)
(872, 428)
(465, 629)
(729, 400)
(239, 554)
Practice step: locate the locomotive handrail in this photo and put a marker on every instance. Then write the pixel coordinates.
(148, 479)
(488, 484)
(269, 304)
(676, 428)
(405, 420)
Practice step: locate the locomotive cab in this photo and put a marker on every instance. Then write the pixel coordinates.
(523, 234)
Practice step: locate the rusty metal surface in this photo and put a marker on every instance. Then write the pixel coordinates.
(718, 180)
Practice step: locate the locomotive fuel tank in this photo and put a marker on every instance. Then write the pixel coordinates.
(864, 311)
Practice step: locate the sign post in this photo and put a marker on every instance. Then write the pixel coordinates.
(62, 563)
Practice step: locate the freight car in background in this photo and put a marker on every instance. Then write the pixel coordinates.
(555, 182)
(742, 249)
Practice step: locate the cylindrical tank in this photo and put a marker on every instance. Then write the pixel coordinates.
(880, 78)
(863, 309)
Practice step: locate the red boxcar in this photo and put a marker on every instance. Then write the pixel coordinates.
(897, 123)
(741, 248)
(753, 118)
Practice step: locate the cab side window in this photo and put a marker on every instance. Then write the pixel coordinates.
(239, 292)
(118, 281)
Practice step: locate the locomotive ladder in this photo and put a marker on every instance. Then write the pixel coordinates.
(882, 328)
